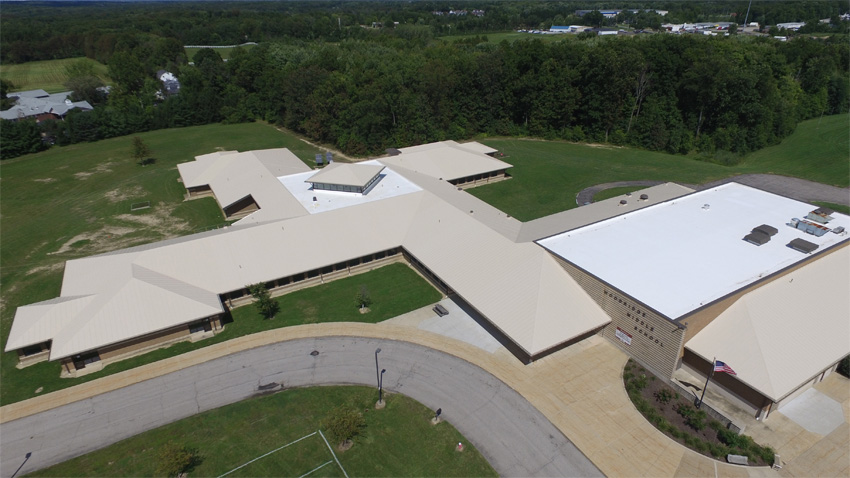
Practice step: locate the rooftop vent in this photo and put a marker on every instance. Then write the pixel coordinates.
(757, 237)
(644, 197)
(838, 230)
(623, 202)
(765, 229)
(706, 207)
(802, 245)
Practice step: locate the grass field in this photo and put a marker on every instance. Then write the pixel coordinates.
(46, 75)
(75, 201)
(397, 441)
(223, 52)
(547, 175)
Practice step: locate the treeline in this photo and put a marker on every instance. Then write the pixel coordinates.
(32, 31)
(718, 96)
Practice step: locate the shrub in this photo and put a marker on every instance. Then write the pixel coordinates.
(663, 395)
(173, 459)
(344, 423)
(693, 418)
(266, 306)
(363, 298)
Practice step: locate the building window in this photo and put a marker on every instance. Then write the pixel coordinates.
(32, 350)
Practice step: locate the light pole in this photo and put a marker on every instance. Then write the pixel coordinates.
(377, 376)
(381, 386)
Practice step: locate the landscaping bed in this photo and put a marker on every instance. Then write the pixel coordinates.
(677, 417)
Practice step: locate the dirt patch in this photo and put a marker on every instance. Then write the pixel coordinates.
(120, 194)
(100, 168)
(46, 268)
(158, 224)
(45, 180)
(159, 220)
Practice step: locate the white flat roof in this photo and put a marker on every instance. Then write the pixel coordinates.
(682, 254)
(347, 174)
(390, 185)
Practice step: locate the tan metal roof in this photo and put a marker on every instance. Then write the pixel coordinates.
(782, 334)
(346, 174)
(232, 176)
(477, 147)
(446, 160)
(518, 287)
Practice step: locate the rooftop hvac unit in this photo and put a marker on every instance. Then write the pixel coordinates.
(811, 228)
(821, 215)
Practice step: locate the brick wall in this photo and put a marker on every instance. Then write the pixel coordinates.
(655, 341)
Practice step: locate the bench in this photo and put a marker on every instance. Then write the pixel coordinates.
(440, 310)
(737, 459)
(777, 462)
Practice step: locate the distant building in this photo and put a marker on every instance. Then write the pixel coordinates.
(793, 26)
(41, 105)
(170, 83)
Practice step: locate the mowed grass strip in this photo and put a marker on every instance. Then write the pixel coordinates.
(224, 53)
(394, 288)
(547, 175)
(48, 75)
(397, 441)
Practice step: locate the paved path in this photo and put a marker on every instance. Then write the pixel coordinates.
(514, 437)
(579, 390)
(795, 188)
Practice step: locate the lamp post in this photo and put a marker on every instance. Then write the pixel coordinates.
(381, 386)
(377, 376)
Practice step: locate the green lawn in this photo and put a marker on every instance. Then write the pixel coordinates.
(397, 441)
(547, 175)
(47, 75)
(74, 201)
(223, 52)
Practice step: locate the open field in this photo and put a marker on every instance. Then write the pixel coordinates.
(547, 175)
(397, 441)
(223, 52)
(47, 75)
(75, 201)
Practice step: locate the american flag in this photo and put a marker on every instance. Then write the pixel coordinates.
(722, 367)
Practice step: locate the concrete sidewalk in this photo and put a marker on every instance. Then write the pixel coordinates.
(579, 389)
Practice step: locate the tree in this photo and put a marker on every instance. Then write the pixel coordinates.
(18, 138)
(267, 307)
(363, 299)
(344, 423)
(594, 18)
(5, 102)
(174, 459)
(141, 152)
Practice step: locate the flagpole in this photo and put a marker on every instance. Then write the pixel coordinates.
(710, 374)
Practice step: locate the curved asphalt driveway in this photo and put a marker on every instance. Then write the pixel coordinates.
(514, 437)
(795, 188)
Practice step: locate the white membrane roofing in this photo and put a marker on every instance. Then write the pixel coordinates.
(679, 255)
(391, 184)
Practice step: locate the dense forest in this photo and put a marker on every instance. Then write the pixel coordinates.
(319, 72)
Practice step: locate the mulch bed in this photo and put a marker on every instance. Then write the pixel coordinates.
(705, 441)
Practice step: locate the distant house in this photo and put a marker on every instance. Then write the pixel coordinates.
(170, 84)
(42, 105)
